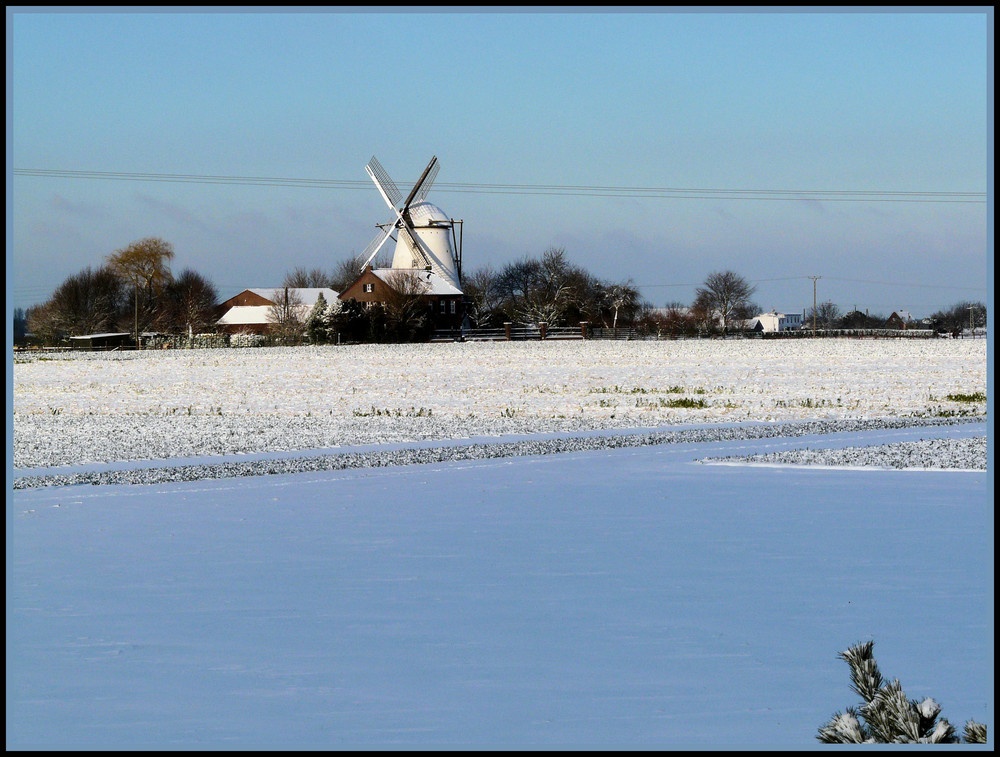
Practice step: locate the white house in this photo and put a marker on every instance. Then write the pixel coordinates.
(775, 321)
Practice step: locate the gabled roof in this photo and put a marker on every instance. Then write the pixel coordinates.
(246, 315)
(433, 283)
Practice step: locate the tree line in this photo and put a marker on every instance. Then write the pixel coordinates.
(963, 315)
(135, 291)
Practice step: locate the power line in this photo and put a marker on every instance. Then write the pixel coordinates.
(832, 278)
(905, 284)
(574, 190)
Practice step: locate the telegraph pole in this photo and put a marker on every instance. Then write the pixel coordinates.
(814, 301)
(972, 332)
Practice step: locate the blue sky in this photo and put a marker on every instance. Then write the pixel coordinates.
(810, 102)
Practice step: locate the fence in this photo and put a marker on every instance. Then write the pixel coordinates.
(510, 333)
(624, 334)
(806, 333)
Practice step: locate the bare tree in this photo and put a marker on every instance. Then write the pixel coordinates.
(724, 294)
(300, 278)
(145, 264)
(537, 291)
(482, 287)
(286, 316)
(827, 315)
(676, 319)
(622, 298)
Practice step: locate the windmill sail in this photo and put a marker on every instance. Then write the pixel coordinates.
(381, 178)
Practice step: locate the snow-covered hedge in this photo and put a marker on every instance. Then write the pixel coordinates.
(180, 342)
(250, 340)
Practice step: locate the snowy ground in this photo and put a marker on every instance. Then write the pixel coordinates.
(94, 407)
(612, 597)
(625, 593)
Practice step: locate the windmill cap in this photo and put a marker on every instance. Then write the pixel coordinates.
(426, 213)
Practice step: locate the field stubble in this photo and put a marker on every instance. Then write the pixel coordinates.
(100, 407)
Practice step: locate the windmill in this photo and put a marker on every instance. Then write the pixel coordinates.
(425, 236)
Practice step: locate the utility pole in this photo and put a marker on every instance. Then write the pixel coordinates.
(814, 301)
(972, 331)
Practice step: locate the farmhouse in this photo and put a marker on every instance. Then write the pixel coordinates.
(442, 300)
(251, 311)
(900, 319)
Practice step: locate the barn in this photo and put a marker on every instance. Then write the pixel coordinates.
(250, 311)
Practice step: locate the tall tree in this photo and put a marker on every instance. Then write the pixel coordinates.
(725, 295)
(145, 264)
(315, 324)
(481, 287)
(826, 315)
(190, 301)
(86, 302)
(300, 278)
(960, 316)
(286, 316)
(538, 290)
(20, 324)
(622, 299)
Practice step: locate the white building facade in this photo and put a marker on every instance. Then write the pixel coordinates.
(775, 321)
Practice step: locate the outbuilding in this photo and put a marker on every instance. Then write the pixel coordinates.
(251, 311)
(105, 341)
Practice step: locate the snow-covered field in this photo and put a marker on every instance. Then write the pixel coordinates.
(615, 597)
(630, 595)
(93, 407)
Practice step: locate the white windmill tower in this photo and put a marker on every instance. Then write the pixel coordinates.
(425, 238)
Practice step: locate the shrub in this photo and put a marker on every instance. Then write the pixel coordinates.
(886, 716)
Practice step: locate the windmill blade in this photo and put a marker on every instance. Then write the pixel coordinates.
(413, 242)
(425, 187)
(431, 167)
(375, 245)
(386, 186)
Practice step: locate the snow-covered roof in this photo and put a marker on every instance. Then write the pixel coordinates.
(101, 336)
(307, 295)
(246, 315)
(433, 283)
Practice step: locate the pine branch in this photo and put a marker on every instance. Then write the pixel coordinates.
(844, 728)
(866, 679)
(975, 733)
(888, 716)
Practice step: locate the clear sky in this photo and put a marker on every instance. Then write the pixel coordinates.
(827, 112)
